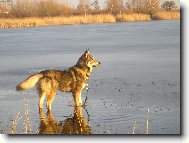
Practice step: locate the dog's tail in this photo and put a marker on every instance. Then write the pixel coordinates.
(29, 82)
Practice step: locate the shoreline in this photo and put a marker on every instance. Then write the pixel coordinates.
(89, 19)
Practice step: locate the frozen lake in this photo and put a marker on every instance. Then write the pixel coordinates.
(140, 70)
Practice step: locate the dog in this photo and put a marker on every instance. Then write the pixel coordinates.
(71, 80)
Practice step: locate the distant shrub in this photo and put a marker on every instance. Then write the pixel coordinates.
(166, 15)
(132, 17)
(45, 8)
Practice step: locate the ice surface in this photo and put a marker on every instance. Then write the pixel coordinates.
(140, 70)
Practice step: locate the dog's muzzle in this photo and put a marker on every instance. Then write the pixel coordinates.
(98, 64)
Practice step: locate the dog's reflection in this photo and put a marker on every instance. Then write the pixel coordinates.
(74, 125)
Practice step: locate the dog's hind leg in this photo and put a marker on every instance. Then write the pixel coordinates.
(41, 99)
(50, 99)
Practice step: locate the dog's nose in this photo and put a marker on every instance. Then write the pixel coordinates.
(99, 63)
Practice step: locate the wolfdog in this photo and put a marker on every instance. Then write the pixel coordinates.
(72, 80)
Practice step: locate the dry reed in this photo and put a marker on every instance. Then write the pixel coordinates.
(89, 19)
(166, 15)
(26, 125)
(132, 17)
(35, 21)
(134, 128)
(15, 123)
(147, 121)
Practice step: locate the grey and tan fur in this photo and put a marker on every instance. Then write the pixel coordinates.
(72, 80)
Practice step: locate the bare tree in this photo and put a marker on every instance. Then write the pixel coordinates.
(169, 5)
(84, 6)
(143, 6)
(153, 5)
(5, 3)
(115, 6)
(29, 8)
(22, 8)
(138, 5)
(128, 6)
(95, 4)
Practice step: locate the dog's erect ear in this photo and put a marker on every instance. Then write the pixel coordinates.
(86, 53)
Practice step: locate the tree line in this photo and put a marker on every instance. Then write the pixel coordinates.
(50, 8)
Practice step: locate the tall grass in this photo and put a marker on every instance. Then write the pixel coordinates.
(132, 17)
(147, 122)
(26, 124)
(134, 128)
(146, 130)
(101, 18)
(166, 15)
(15, 121)
(35, 21)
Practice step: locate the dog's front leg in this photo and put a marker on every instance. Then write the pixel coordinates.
(77, 95)
(77, 99)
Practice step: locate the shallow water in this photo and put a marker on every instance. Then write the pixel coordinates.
(140, 70)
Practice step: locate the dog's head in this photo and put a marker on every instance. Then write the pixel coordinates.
(88, 60)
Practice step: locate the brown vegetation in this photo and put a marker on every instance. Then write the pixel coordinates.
(103, 18)
(32, 8)
(35, 21)
(52, 8)
(166, 15)
(26, 124)
(26, 13)
(132, 17)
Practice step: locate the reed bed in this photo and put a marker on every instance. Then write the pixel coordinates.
(132, 17)
(165, 15)
(89, 19)
(35, 21)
